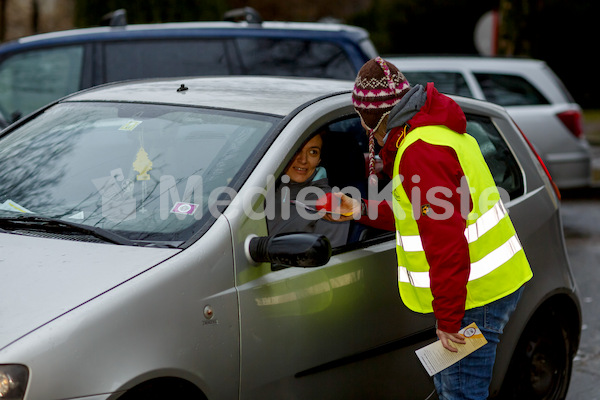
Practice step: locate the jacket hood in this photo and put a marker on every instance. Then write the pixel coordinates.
(437, 109)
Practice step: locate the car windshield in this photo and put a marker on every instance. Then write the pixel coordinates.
(149, 173)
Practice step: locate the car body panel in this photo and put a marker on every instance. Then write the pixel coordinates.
(284, 313)
(147, 327)
(41, 291)
(567, 157)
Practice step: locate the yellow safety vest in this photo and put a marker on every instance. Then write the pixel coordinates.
(498, 263)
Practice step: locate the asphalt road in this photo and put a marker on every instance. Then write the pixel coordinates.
(581, 220)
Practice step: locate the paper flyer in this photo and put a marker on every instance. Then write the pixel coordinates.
(436, 358)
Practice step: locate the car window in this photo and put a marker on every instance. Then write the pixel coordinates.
(502, 163)
(500, 160)
(445, 82)
(294, 58)
(509, 90)
(32, 79)
(165, 58)
(344, 158)
(147, 172)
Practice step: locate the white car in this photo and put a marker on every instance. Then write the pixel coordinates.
(531, 93)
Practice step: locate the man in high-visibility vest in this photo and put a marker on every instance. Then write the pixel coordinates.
(458, 253)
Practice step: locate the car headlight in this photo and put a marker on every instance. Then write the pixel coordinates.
(13, 381)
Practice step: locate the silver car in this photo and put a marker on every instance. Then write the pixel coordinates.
(136, 261)
(533, 96)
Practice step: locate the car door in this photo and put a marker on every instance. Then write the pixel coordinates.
(336, 331)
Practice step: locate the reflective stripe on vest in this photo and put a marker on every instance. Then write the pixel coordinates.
(478, 268)
(486, 222)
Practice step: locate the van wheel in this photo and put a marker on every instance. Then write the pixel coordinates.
(541, 365)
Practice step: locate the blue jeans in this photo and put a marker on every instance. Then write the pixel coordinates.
(469, 379)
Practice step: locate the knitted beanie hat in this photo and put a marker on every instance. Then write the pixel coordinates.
(378, 87)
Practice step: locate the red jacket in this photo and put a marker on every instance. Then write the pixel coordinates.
(444, 242)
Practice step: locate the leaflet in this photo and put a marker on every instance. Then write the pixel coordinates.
(436, 358)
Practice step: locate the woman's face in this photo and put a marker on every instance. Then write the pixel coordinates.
(306, 160)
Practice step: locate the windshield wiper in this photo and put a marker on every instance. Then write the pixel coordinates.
(49, 224)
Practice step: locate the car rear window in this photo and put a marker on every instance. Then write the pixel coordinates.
(509, 90)
(445, 82)
(292, 57)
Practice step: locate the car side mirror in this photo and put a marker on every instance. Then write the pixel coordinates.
(291, 249)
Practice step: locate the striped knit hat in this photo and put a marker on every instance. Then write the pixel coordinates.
(378, 87)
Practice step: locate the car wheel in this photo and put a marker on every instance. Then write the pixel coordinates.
(164, 388)
(541, 365)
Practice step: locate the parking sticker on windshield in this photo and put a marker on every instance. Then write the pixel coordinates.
(130, 125)
(184, 208)
(10, 205)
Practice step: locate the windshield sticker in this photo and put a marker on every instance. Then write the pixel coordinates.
(184, 208)
(79, 215)
(130, 125)
(142, 165)
(10, 205)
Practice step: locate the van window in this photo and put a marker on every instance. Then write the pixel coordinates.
(445, 82)
(294, 58)
(509, 90)
(164, 58)
(35, 78)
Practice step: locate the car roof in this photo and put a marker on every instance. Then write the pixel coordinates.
(267, 95)
(465, 62)
(261, 94)
(537, 72)
(224, 28)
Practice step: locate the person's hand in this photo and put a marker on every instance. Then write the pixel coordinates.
(449, 338)
(341, 207)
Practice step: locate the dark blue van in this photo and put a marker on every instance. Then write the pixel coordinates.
(39, 69)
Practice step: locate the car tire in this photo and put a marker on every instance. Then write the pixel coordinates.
(542, 362)
(164, 388)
